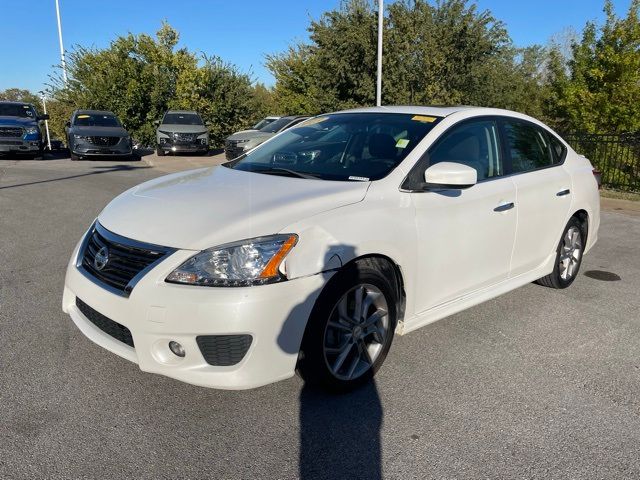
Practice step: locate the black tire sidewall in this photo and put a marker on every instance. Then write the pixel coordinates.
(312, 365)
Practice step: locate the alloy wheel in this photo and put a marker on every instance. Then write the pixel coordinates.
(570, 253)
(357, 331)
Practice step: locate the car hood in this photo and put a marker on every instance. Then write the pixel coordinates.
(17, 122)
(99, 131)
(199, 209)
(250, 134)
(173, 128)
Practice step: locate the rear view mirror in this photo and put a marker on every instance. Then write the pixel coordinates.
(450, 175)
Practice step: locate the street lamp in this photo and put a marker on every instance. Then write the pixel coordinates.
(380, 26)
(63, 62)
(46, 122)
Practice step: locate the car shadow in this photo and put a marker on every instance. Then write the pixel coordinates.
(105, 169)
(339, 433)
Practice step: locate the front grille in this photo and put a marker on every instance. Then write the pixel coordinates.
(120, 260)
(224, 350)
(117, 331)
(185, 137)
(12, 132)
(103, 141)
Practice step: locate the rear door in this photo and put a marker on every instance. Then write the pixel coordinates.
(543, 190)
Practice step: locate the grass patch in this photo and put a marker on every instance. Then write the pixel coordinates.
(635, 197)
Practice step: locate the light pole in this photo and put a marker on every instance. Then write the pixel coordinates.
(380, 26)
(46, 122)
(64, 64)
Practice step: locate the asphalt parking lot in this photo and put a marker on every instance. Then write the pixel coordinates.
(537, 383)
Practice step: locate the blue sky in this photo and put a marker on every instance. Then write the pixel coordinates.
(240, 31)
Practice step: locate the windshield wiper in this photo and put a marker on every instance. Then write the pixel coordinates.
(293, 173)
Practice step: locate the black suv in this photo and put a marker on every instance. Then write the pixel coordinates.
(20, 129)
(95, 133)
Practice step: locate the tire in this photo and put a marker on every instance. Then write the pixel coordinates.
(339, 350)
(159, 152)
(568, 256)
(75, 157)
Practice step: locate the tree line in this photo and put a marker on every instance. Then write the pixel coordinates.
(435, 52)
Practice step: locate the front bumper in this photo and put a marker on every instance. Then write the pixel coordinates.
(17, 145)
(157, 312)
(183, 147)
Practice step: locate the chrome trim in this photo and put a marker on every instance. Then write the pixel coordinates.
(127, 242)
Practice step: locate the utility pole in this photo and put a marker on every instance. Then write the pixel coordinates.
(46, 122)
(63, 63)
(380, 26)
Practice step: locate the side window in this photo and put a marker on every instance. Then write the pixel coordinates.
(557, 148)
(528, 145)
(474, 144)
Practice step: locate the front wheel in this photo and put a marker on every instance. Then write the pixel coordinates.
(350, 329)
(159, 152)
(568, 257)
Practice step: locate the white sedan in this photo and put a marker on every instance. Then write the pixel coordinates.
(311, 251)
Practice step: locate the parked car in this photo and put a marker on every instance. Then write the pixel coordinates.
(264, 122)
(240, 142)
(56, 145)
(314, 248)
(181, 131)
(97, 133)
(20, 131)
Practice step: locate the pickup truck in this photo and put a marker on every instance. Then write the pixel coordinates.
(20, 131)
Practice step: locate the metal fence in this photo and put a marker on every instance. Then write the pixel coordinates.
(617, 156)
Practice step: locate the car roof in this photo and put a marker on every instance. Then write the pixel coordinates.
(431, 110)
(16, 103)
(183, 112)
(94, 112)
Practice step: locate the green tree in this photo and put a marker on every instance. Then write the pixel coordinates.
(601, 91)
(139, 77)
(20, 95)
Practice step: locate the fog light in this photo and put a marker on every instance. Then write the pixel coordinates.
(176, 348)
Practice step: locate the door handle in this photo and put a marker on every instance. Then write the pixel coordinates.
(504, 207)
(562, 193)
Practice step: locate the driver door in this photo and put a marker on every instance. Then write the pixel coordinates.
(465, 237)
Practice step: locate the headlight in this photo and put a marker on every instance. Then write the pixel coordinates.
(240, 264)
(31, 130)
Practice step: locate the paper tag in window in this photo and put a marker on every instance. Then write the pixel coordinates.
(84, 116)
(402, 143)
(359, 179)
(423, 118)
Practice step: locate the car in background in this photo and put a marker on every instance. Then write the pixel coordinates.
(181, 131)
(264, 122)
(314, 249)
(20, 131)
(97, 133)
(241, 142)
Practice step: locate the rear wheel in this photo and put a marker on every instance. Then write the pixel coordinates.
(350, 329)
(568, 257)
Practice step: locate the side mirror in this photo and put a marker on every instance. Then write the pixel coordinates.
(156, 123)
(43, 117)
(67, 124)
(450, 175)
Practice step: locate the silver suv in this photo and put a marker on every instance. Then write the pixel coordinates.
(181, 131)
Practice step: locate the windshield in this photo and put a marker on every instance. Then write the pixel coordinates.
(17, 110)
(343, 146)
(96, 120)
(277, 125)
(263, 123)
(181, 119)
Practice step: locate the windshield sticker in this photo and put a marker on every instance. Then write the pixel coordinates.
(313, 121)
(359, 179)
(423, 118)
(402, 143)
(84, 116)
